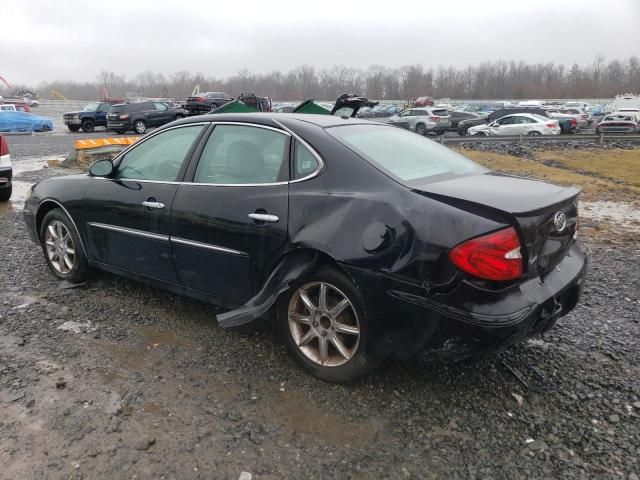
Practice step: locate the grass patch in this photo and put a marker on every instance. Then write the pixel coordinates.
(612, 175)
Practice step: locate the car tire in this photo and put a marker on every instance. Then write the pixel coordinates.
(306, 327)
(5, 193)
(421, 129)
(140, 127)
(533, 133)
(88, 126)
(62, 247)
(73, 128)
(480, 134)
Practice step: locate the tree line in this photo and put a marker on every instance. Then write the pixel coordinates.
(489, 80)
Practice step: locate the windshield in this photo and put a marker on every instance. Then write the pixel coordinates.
(91, 107)
(407, 157)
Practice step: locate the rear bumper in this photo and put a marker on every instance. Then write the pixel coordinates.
(405, 320)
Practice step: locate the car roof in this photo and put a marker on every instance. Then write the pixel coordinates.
(266, 118)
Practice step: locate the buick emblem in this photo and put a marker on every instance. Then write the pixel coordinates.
(559, 221)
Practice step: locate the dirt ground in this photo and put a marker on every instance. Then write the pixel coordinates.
(115, 379)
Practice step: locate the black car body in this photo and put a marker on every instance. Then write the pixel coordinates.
(92, 115)
(566, 124)
(457, 117)
(329, 201)
(138, 116)
(205, 102)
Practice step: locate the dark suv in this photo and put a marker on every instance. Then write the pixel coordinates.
(93, 115)
(141, 115)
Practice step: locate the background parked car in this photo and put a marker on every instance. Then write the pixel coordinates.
(464, 125)
(141, 115)
(15, 121)
(618, 122)
(457, 117)
(568, 121)
(583, 117)
(423, 120)
(518, 124)
(93, 115)
(205, 102)
(6, 171)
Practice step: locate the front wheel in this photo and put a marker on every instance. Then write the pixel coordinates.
(324, 326)
(140, 127)
(62, 248)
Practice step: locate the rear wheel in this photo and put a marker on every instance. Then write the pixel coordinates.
(421, 129)
(88, 125)
(62, 248)
(322, 320)
(5, 193)
(533, 133)
(140, 127)
(73, 128)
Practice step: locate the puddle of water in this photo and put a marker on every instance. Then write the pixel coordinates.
(298, 414)
(624, 214)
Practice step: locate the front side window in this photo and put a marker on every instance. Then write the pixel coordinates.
(506, 121)
(238, 154)
(409, 158)
(162, 107)
(160, 157)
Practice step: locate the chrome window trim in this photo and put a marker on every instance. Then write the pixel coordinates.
(321, 165)
(284, 131)
(208, 246)
(130, 231)
(116, 161)
(68, 215)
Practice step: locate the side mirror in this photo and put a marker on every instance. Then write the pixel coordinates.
(494, 124)
(101, 168)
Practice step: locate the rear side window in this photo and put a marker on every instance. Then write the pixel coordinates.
(237, 154)
(409, 158)
(441, 112)
(304, 163)
(160, 157)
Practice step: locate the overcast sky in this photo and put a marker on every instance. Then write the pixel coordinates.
(47, 39)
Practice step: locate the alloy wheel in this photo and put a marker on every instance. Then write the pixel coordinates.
(324, 324)
(59, 247)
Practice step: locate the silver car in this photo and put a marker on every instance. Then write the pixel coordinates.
(423, 120)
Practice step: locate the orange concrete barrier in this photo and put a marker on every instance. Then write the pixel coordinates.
(104, 142)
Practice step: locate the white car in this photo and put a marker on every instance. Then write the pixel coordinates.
(518, 124)
(7, 107)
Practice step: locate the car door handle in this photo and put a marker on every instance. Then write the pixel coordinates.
(153, 204)
(264, 217)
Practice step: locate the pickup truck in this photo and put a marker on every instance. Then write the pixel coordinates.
(92, 115)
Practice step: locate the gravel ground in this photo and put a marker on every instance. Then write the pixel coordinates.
(115, 379)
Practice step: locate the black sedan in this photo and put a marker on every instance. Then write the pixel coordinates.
(362, 240)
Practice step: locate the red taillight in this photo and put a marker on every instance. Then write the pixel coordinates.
(495, 256)
(552, 125)
(4, 147)
(124, 117)
(434, 118)
(574, 122)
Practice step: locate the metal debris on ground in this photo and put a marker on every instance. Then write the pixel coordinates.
(536, 375)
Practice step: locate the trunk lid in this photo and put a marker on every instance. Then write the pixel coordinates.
(545, 215)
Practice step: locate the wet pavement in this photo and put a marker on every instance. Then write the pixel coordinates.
(116, 379)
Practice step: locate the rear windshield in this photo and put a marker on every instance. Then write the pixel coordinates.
(409, 158)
